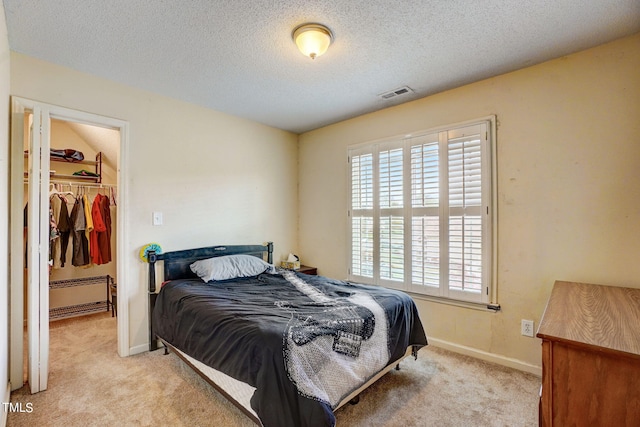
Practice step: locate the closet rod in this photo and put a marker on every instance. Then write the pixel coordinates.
(79, 184)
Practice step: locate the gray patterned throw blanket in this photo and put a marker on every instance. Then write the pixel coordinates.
(333, 344)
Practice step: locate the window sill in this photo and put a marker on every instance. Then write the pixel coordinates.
(493, 308)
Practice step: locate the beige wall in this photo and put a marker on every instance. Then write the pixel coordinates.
(218, 179)
(4, 209)
(568, 148)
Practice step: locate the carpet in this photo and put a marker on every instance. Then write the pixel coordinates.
(89, 384)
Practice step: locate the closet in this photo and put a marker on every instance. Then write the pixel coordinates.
(36, 128)
(82, 208)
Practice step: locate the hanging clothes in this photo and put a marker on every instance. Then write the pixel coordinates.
(99, 228)
(55, 206)
(88, 223)
(104, 242)
(80, 255)
(100, 239)
(113, 196)
(64, 227)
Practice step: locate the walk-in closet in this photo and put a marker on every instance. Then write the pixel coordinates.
(83, 203)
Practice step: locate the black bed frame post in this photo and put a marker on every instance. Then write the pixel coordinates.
(152, 258)
(270, 252)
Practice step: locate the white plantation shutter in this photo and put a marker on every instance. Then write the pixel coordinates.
(465, 209)
(362, 215)
(362, 182)
(362, 246)
(421, 213)
(392, 248)
(391, 195)
(391, 214)
(425, 213)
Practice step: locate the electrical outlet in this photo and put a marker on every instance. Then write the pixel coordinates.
(526, 328)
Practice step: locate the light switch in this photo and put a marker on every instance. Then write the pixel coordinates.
(157, 218)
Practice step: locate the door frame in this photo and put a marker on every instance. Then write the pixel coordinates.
(16, 273)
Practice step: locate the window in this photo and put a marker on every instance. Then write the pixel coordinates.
(421, 214)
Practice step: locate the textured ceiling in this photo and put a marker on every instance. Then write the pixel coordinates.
(238, 57)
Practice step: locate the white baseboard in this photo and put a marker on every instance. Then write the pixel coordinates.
(6, 398)
(456, 348)
(489, 357)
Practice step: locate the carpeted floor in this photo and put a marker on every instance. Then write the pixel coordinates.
(90, 385)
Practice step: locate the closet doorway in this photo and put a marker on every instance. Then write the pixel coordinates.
(40, 173)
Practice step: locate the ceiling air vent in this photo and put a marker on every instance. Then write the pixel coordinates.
(404, 90)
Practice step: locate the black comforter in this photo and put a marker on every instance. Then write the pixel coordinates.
(304, 342)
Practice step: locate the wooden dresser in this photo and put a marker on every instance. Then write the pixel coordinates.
(590, 356)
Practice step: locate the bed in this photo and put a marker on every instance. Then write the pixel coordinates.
(287, 348)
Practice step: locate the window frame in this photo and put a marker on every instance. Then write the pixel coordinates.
(487, 297)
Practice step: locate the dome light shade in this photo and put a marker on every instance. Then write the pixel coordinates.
(312, 39)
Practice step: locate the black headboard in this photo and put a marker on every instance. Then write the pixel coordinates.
(177, 266)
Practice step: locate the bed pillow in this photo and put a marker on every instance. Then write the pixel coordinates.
(230, 267)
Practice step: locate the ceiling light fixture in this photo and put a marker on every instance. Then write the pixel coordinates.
(312, 39)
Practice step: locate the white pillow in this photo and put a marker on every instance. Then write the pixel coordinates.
(230, 267)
